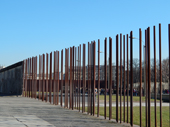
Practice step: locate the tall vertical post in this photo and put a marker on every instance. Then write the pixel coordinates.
(80, 73)
(46, 77)
(154, 39)
(105, 71)
(35, 77)
(94, 76)
(169, 67)
(127, 37)
(50, 76)
(84, 78)
(39, 93)
(43, 80)
(131, 78)
(110, 78)
(98, 88)
(140, 77)
(61, 94)
(117, 78)
(54, 80)
(124, 80)
(71, 77)
(120, 78)
(58, 73)
(26, 79)
(160, 66)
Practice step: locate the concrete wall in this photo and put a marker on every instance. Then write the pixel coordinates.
(11, 79)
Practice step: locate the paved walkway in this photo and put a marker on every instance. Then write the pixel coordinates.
(27, 112)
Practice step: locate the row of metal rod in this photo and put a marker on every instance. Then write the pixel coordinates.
(73, 82)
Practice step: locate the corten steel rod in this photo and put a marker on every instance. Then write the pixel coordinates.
(77, 78)
(160, 66)
(71, 77)
(124, 80)
(58, 77)
(54, 79)
(26, 78)
(105, 71)
(66, 78)
(39, 93)
(117, 77)
(110, 78)
(23, 74)
(80, 76)
(127, 89)
(140, 77)
(67, 73)
(75, 75)
(120, 78)
(88, 77)
(61, 94)
(46, 77)
(50, 77)
(83, 78)
(169, 67)
(131, 78)
(94, 77)
(154, 34)
(43, 80)
(98, 78)
(35, 77)
(149, 81)
(146, 97)
(32, 93)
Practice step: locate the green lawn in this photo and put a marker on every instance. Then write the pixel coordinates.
(165, 115)
(135, 98)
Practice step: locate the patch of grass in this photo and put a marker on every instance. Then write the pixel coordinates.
(135, 98)
(136, 113)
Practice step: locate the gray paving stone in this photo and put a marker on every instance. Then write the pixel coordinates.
(22, 112)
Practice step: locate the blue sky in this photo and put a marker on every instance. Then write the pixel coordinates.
(33, 27)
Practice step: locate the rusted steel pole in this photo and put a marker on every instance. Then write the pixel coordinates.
(35, 77)
(117, 77)
(54, 80)
(26, 79)
(50, 77)
(94, 76)
(61, 94)
(131, 78)
(127, 89)
(71, 77)
(23, 77)
(120, 78)
(39, 93)
(84, 75)
(80, 75)
(78, 78)
(124, 80)
(98, 88)
(140, 77)
(46, 77)
(32, 91)
(43, 80)
(160, 66)
(169, 68)
(75, 76)
(146, 85)
(149, 81)
(105, 71)
(58, 73)
(154, 34)
(89, 78)
(66, 78)
(110, 78)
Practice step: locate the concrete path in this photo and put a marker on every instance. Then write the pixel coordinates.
(27, 112)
